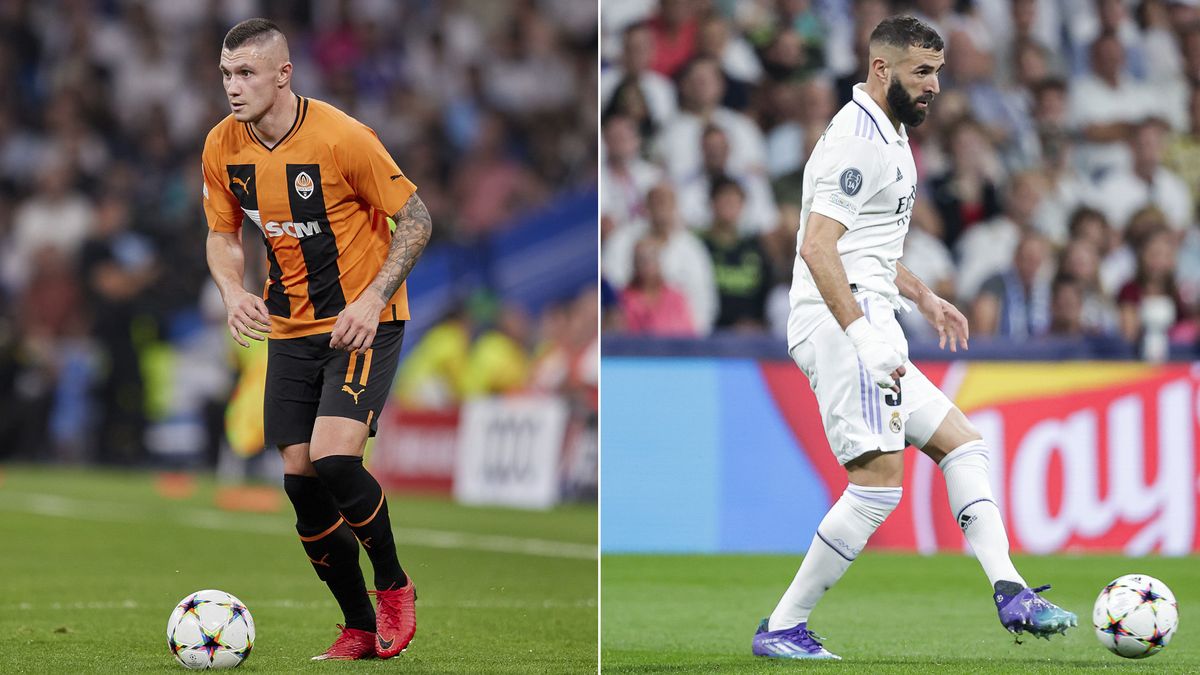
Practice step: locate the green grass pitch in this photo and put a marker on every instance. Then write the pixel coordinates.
(891, 613)
(92, 563)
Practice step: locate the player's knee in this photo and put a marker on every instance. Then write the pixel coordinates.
(295, 460)
(874, 503)
(973, 452)
(337, 468)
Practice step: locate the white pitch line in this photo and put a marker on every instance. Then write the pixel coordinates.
(586, 603)
(111, 512)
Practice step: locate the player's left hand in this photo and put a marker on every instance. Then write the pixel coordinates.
(354, 330)
(950, 323)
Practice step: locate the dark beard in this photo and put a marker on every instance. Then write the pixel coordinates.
(903, 106)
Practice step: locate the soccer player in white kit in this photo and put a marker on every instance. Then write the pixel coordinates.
(860, 184)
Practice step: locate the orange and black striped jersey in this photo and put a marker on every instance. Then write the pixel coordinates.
(321, 197)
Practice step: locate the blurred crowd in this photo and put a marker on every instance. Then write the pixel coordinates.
(109, 326)
(1059, 167)
(483, 348)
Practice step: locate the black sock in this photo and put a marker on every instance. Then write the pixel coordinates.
(331, 548)
(361, 501)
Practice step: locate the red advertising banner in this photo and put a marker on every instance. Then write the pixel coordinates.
(1084, 456)
(415, 450)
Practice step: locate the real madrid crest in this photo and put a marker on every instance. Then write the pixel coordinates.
(894, 424)
(304, 185)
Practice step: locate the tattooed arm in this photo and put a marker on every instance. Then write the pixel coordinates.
(355, 327)
(413, 228)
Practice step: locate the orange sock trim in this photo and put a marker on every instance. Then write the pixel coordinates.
(324, 534)
(375, 513)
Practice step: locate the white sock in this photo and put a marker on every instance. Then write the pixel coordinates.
(971, 502)
(840, 537)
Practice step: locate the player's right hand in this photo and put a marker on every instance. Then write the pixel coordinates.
(246, 314)
(884, 364)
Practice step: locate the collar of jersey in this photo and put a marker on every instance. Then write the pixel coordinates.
(301, 113)
(868, 104)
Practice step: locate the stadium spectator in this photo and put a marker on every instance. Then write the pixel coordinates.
(649, 305)
(1155, 277)
(637, 49)
(739, 64)
(1182, 152)
(56, 216)
(499, 358)
(567, 360)
(1015, 303)
(433, 373)
(1105, 104)
(967, 193)
(1065, 189)
(1145, 183)
(1108, 17)
(677, 146)
(1079, 262)
(491, 186)
(675, 30)
(685, 264)
(740, 266)
(759, 214)
(988, 247)
(797, 112)
(117, 266)
(1066, 308)
(627, 177)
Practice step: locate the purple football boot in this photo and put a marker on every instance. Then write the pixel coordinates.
(797, 642)
(1022, 609)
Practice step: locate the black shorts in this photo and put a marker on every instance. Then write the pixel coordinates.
(307, 379)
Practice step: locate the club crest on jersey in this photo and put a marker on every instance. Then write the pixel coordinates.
(895, 424)
(851, 181)
(304, 185)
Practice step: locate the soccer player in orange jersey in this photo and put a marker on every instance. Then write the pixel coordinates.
(318, 186)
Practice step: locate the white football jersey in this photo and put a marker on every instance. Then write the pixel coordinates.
(861, 174)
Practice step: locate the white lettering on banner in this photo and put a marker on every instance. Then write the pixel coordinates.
(1163, 505)
(509, 452)
(510, 449)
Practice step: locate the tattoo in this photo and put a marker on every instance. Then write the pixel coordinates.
(413, 227)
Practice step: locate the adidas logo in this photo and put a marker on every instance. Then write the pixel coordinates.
(899, 175)
(965, 521)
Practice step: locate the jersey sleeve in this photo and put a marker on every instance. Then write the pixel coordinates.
(371, 171)
(846, 179)
(220, 206)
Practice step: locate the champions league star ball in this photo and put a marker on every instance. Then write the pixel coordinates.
(1135, 616)
(210, 629)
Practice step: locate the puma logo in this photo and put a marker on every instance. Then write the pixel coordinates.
(321, 561)
(346, 388)
(244, 183)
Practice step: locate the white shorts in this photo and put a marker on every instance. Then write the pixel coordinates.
(858, 416)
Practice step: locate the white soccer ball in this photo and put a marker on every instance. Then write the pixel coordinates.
(1135, 616)
(210, 629)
